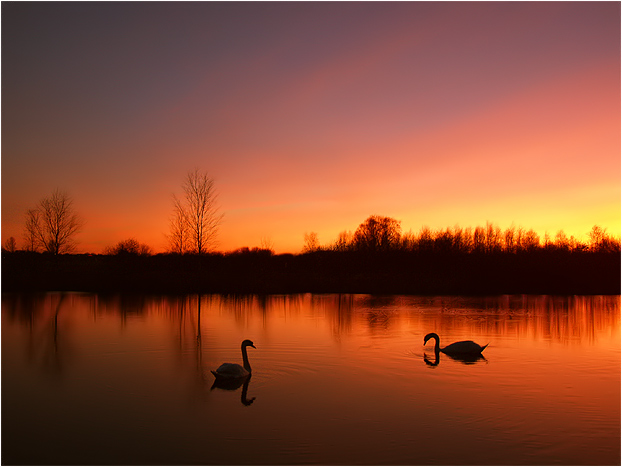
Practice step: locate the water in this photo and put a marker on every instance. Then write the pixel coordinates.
(337, 379)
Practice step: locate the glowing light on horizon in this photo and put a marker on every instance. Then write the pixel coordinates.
(435, 114)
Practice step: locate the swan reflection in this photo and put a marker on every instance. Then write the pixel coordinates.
(232, 385)
(466, 359)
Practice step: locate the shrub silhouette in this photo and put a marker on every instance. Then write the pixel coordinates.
(131, 246)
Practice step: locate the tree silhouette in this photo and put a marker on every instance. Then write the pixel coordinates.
(601, 241)
(52, 224)
(344, 241)
(312, 243)
(130, 246)
(196, 217)
(509, 239)
(531, 241)
(179, 237)
(266, 244)
(378, 233)
(30, 230)
(10, 245)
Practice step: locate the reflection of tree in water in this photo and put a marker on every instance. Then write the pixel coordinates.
(242, 306)
(379, 311)
(23, 307)
(563, 319)
(342, 317)
(185, 311)
(376, 302)
(124, 305)
(570, 320)
(339, 308)
(378, 320)
(48, 339)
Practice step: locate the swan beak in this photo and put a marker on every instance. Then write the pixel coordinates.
(253, 346)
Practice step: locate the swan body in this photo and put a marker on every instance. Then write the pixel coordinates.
(235, 370)
(457, 348)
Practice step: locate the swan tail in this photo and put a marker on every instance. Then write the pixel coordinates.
(484, 347)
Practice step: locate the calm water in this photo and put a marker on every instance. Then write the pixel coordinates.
(337, 379)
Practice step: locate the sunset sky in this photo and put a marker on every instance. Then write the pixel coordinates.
(313, 116)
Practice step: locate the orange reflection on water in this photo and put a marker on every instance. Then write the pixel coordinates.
(351, 368)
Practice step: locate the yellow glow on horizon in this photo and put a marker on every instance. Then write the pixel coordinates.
(453, 122)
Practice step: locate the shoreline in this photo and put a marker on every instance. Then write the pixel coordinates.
(550, 273)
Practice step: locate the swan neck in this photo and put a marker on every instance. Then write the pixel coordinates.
(437, 343)
(247, 366)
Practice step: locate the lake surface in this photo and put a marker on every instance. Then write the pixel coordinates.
(337, 379)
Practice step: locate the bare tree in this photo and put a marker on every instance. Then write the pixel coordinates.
(531, 240)
(425, 242)
(196, 216)
(344, 241)
(30, 230)
(597, 236)
(561, 241)
(492, 238)
(378, 233)
(601, 241)
(479, 239)
(178, 238)
(519, 239)
(312, 243)
(460, 239)
(53, 224)
(10, 245)
(509, 239)
(266, 244)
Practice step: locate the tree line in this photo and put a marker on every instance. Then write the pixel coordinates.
(52, 225)
(376, 259)
(383, 234)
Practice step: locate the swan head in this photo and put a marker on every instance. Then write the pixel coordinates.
(429, 336)
(248, 343)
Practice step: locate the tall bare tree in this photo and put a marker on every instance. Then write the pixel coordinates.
(30, 230)
(53, 224)
(196, 216)
(178, 236)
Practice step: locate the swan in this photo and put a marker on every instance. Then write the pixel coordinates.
(457, 348)
(233, 370)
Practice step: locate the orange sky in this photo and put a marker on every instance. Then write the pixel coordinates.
(313, 116)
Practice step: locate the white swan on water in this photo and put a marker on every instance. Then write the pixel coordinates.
(234, 370)
(457, 348)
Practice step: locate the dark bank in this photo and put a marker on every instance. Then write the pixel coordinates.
(260, 271)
